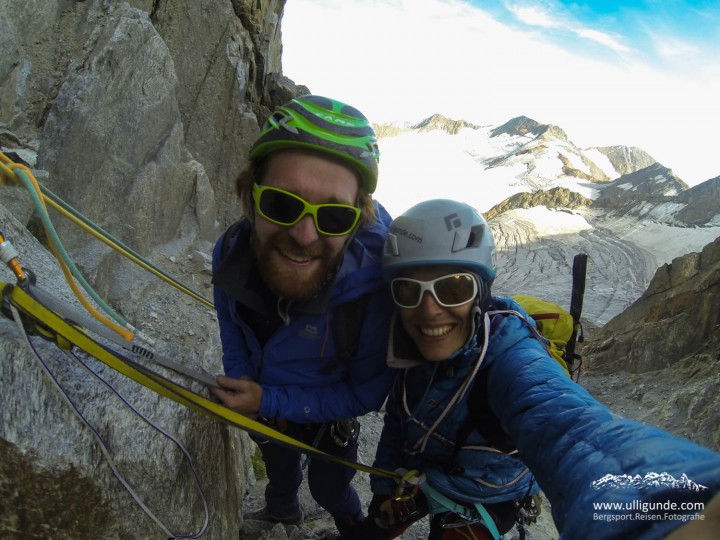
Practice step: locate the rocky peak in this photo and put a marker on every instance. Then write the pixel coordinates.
(636, 191)
(438, 121)
(626, 159)
(520, 125)
(555, 198)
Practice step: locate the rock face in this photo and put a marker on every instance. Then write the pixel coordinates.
(139, 114)
(672, 333)
(561, 198)
(47, 456)
(703, 203)
(127, 107)
(641, 189)
(678, 316)
(627, 159)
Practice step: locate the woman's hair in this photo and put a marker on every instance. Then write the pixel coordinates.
(254, 174)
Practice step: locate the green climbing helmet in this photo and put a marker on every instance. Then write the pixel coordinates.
(328, 126)
(440, 232)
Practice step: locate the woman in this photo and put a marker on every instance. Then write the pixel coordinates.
(484, 417)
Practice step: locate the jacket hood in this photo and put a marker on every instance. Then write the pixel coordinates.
(402, 352)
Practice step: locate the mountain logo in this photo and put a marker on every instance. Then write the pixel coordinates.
(650, 479)
(310, 331)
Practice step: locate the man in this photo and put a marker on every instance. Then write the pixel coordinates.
(298, 271)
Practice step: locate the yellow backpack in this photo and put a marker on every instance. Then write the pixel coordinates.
(554, 323)
(560, 327)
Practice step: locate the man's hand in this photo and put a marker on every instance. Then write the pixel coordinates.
(241, 395)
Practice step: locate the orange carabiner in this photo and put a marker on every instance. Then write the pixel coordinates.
(9, 255)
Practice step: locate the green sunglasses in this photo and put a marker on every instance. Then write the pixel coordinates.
(284, 208)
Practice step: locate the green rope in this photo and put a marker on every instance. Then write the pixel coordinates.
(50, 229)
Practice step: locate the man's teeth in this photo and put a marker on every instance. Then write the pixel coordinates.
(295, 258)
(436, 331)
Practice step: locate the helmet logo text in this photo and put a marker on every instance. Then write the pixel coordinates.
(407, 234)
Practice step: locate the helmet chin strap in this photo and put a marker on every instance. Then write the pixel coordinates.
(480, 306)
(476, 316)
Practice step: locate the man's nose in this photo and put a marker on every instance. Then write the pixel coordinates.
(304, 231)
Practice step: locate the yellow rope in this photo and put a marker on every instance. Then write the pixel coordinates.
(71, 335)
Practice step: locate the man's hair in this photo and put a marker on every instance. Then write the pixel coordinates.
(254, 174)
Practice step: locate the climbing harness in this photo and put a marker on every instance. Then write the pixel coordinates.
(451, 514)
(458, 515)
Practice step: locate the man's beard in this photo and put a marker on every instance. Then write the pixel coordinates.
(289, 283)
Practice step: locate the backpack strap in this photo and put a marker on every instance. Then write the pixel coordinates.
(482, 419)
(579, 272)
(347, 321)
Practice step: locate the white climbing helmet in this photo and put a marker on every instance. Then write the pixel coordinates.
(440, 232)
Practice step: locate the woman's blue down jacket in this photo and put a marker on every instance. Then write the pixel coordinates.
(297, 368)
(571, 443)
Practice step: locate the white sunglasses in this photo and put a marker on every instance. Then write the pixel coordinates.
(451, 290)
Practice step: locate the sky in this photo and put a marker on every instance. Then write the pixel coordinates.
(643, 73)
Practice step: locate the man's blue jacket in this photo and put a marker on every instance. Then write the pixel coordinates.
(581, 454)
(297, 366)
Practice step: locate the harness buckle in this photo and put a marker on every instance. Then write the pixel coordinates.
(528, 509)
(343, 432)
(453, 520)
